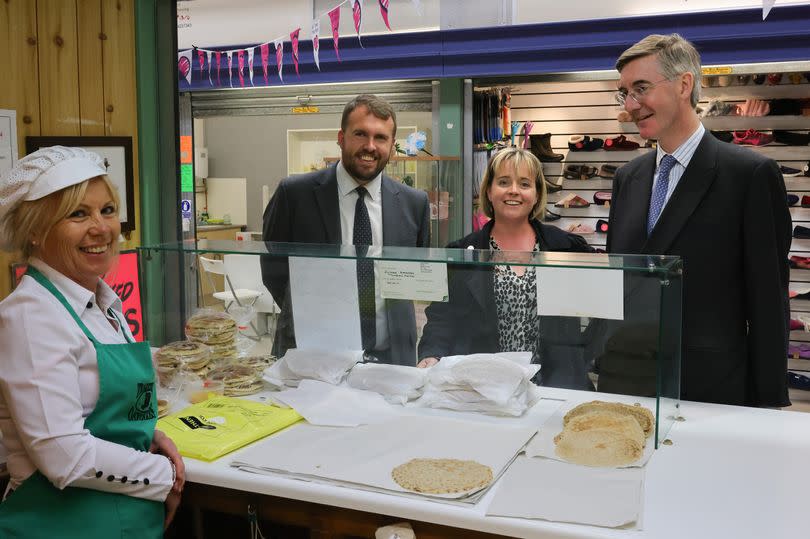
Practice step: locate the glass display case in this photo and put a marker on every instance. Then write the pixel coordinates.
(599, 325)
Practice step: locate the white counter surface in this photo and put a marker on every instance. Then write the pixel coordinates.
(731, 472)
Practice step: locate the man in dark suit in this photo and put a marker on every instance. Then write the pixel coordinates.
(723, 210)
(326, 207)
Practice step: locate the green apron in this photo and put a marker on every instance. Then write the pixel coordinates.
(126, 413)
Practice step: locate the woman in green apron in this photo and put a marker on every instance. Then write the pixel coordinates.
(77, 394)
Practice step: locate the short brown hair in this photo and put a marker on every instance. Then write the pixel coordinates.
(38, 217)
(517, 157)
(377, 106)
(675, 57)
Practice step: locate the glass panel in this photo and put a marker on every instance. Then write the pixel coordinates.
(606, 324)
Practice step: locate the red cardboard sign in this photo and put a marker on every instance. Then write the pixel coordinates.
(123, 278)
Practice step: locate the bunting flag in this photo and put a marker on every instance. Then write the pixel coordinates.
(251, 51)
(334, 18)
(357, 14)
(316, 30)
(418, 5)
(241, 59)
(201, 60)
(184, 65)
(294, 40)
(219, 63)
(264, 49)
(230, 68)
(384, 12)
(279, 45)
(767, 5)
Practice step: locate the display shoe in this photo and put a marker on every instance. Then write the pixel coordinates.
(579, 172)
(551, 216)
(796, 325)
(752, 137)
(799, 350)
(708, 82)
(584, 143)
(805, 203)
(540, 146)
(551, 186)
(800, 262)
(795, 78)
(742, 80)
(789, 172)
(774, 78)
(801, 232)
(725, 136)
(798, 381)
(620, 143)
(601, 226)
(791, 138)
(572, 201)
(602, 198)
(792, 199)
(580, 228)
(724, 80)
(607, 171)
(759, 79)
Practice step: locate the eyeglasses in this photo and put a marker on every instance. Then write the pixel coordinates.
(638, 94)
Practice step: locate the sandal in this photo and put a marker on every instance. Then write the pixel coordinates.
(572, 201)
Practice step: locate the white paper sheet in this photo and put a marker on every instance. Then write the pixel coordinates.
(561, 492)
(365, 456)
(324, 404)
(422, 281)
(580, 292)
(542, 445)
(326, 311)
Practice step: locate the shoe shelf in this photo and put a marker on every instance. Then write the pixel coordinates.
(558, 168)
(800, 395)
(741, 93)
(600, 212)
(594, 184)
(799, 214)
(760, 123)
(797, 183)
(799, 275)
(798, 244)
(600, 156)
(798, 364)
(586, 194)
(800, 305)
(783, 152)
(799, 335)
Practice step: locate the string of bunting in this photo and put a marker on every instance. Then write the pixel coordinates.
(213, 58)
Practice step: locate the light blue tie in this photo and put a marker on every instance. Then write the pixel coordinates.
(659, 195)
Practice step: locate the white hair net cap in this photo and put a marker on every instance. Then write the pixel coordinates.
(41, 173)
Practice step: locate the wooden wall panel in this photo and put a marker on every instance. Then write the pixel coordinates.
(120, 103)
(91, 81)
(58, 67)
(19, 90)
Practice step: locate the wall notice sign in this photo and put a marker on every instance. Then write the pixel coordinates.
(719, 70)
(305, 110)
(185, 209)
(8, 139)
(588, 292)
(186, 149)
(424, 281)
(186, 179)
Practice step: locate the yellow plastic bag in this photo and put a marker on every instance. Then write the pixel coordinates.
(215, 427)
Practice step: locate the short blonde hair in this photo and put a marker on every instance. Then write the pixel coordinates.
(38, 217)
(515, 157)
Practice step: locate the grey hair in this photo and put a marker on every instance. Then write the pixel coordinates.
(675, 57)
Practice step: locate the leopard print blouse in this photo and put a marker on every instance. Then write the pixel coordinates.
(516, 302)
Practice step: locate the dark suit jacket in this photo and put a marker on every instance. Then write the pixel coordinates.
(728, 220)
(305, 209)
(468, 322)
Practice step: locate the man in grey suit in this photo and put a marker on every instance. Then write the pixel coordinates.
(352, 202)
(723, 210)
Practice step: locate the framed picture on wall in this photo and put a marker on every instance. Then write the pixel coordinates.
(117, 154)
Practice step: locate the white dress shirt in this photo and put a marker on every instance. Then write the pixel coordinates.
(683, 155)
(49, 384)
(347, 197)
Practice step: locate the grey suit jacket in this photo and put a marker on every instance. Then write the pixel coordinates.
(305, 209)
(728, 220)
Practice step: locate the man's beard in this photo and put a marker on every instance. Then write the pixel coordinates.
(359, 175)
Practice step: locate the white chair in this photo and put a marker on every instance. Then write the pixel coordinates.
(241, 296)
(245, 272)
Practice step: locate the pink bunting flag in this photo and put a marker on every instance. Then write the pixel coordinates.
(219, 63)
(241, 60)
(334, 18)
(294, 40)
(209, 67)
(316, 30)
(264, 49)
(279, 45)
(230, 67)
(251, 52)
(201, 60)
(384, 12)
(184, 65)
(357, 14)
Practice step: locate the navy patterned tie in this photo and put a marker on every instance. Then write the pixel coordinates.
(365, 272)
(659, 195)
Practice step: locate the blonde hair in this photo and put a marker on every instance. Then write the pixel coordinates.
(515, 157)
(675, 56)
(38, 217)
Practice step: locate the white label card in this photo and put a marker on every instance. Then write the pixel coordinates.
(425, 281)
(584, 292)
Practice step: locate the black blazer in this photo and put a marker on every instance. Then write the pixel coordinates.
(728, 220)
(468, 322)
(305, 209)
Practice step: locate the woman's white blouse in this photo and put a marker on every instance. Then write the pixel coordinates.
(49, 385)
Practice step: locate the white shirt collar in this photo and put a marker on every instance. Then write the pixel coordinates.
(683, 153)
(347, 184)
(76, 295)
